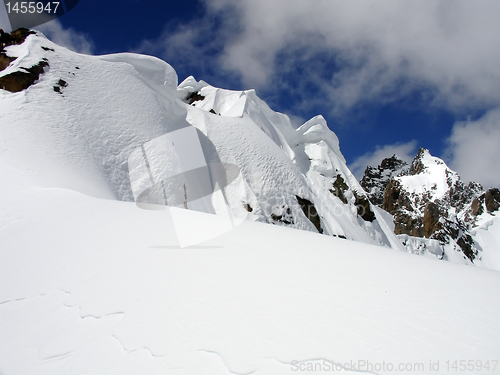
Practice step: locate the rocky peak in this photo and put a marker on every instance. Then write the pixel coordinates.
(418, 164)
(430, 201)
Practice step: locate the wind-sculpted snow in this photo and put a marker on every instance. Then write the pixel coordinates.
(94, 112)
(280, 163)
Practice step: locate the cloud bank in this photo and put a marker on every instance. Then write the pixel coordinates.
(351, 52)
(69, 38)
(474, 148)
(350, 55)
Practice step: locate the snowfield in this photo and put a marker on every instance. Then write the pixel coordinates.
(93, 284)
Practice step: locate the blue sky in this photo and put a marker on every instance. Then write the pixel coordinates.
(388, 76)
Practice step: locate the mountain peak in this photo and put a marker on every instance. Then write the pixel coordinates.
(424, 162)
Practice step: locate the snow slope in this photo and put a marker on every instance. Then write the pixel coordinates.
(93, 284)
(100, 286)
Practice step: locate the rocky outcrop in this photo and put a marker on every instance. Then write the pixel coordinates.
(310, 212)
(21, 80)
(376, 179)
(429, 201)
(492, 200)
(15, 37)
(431, 222)
(23, 77)
(363, 205)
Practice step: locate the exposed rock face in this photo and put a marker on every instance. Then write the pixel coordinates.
(429, 200)
(5, 60)
(376, 179)
(492, 200)
(364, 209)
(21, 80)
(310, 212)
(431, 219)
(340, 188)
(24, 77)
(15, 37)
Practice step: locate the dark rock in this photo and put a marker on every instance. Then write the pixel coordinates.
(391, 197)
(405, 223)
(375, 180)
(477, 207)
(466, 243)
(431, 219)
(18, 81)
(5, 60)
(417, 166)
(364, 209)
(19, 36)
(194, 97)
(15, 37)
(492, 200)
(285, 218)
(310, 212)
(60, 84)
(47, 49)
(5, 39)
(339, 188)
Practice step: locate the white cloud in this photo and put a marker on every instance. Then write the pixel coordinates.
(405, 151)
(195, 47)
(345, 54)
(383, 49)
(474, 149)
(69, 38)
